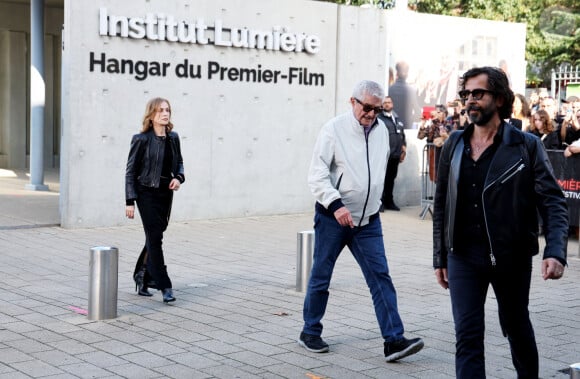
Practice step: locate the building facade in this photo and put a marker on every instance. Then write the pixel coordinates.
(250, 83)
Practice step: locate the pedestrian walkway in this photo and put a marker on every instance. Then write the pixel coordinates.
(237, 313)
(22, 208)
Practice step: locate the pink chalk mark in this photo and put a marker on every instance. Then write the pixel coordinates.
(78, 310)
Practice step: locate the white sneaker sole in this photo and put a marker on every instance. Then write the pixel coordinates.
(410, 350)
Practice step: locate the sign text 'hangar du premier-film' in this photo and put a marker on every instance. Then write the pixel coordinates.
(163, 27)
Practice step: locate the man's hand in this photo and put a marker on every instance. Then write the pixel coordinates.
(130, 211)
(552, 269)
(441, 275)
(403, 155)
(343, 216)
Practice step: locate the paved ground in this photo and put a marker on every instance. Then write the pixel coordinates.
(237, 313)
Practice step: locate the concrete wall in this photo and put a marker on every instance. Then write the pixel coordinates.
(246, 146)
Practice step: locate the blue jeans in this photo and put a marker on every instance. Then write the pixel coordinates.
(468, 285)
(367, 247)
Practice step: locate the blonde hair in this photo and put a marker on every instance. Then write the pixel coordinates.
(151, 109)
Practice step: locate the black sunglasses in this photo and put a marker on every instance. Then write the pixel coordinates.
(476, 94)
(367, 108)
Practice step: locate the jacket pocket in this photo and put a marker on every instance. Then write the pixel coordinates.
(511, 171)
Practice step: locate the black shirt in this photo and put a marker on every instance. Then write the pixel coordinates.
(470, 236)
(166, 168)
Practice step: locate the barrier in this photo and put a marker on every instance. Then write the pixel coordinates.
(428, 178)
(304, 254)
(567, 173)
(103, 282)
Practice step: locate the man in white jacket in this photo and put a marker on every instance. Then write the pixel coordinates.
(346, 177)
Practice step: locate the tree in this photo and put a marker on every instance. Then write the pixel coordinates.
(552, 27)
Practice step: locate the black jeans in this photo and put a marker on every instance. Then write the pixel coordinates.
(468, 285)
(390, 175)
(155, 207)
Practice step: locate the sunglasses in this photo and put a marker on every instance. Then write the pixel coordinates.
(367, 108)
(476, 94)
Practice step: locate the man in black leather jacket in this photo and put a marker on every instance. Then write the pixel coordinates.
(493, 181)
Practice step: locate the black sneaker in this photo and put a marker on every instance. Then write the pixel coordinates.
(313, 343)
(402, 348)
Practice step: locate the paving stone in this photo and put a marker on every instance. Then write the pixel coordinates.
(9, 356)
(226, 371)
(37, 368)
(218, 347)
(4, 369)
(238, 314)
(72, 347)
(87, 370)
(116, 347)
(252, 359)
(101, 359)
(14, 375)
(193, 360)
(179, 371)
(55, 358)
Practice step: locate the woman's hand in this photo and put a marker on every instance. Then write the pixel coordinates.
(130, 211)
(441, 276)
(175, 184)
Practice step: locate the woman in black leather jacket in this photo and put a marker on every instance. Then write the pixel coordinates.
(154, 171)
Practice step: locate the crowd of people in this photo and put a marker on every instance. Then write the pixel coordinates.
(557, 125)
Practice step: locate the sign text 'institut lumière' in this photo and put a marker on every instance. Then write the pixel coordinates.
(163, 27)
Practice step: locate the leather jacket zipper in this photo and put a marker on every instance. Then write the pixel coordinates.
(508, 174)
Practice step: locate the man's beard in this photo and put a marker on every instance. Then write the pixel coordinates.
(483, 117)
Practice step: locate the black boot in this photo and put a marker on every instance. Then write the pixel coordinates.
(168, 295)
(140, 285)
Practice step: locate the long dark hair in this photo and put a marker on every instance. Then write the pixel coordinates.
(497, 82)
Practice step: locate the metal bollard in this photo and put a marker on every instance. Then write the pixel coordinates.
(304, 259)
(575, 371)
(103, 282)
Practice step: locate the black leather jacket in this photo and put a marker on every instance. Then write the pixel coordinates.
(520, 184)
(146, 161)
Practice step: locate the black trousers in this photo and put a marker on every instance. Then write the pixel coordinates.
(468, 285)
(390, 175)
(155, 208)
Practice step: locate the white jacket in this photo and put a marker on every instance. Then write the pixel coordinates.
(346, 166)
